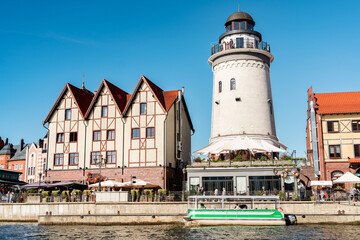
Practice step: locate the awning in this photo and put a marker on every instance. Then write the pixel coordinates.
(348, 178)
(241, 143)
(354, 160)
(321, 183)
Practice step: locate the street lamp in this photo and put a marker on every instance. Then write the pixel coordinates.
(100, 161)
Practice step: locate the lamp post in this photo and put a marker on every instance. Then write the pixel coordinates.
(100, 161)
(184, 185)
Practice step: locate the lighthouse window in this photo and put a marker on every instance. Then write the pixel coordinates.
(220, 86)
(232, 84)
(236, 25)
(242, 24)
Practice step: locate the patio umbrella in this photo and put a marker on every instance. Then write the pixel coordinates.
(138, 183)
(108, 183)
(348, 178)
(35, 185)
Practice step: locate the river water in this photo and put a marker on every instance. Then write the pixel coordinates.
(33, 231)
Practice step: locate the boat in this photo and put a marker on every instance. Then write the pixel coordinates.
(212, 211)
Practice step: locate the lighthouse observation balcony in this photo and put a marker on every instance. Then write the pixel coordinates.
(240, 43)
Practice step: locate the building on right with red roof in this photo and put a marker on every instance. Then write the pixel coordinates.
(333, 134)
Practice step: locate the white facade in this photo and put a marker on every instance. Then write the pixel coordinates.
(242, 100)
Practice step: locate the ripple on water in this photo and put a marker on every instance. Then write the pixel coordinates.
(299, 232)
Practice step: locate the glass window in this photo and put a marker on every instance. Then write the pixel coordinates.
(270, 184)
(20, 166)
(356, 126)
(239, 42)
(111, 157)
(194, 185)
(58, 160)
(334, 151)
(95, 156)
(142, 108)
(336, 174)
(236, 25)
(60, 138)
(97, 136)
(104, 111)
(73, 136)
(67, 114)
(73, 159)
(220, 87)
(333, 126)
(232, 84)
(110, 135)
(135, 133)
(150, 132)
(16, 167)
(242, 24)
(357, 150)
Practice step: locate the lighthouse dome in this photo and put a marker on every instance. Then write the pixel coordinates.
(239, 16)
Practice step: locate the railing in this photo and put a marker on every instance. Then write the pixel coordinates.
(247, 43)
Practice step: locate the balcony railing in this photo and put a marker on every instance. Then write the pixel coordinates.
(246, 43)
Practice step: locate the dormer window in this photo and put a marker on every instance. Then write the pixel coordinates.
(232, 84)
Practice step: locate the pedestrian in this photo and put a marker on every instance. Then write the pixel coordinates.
(223, 191)
(216, 192)
(302, 191)
(263, 191)
(8, 197)
(202, 191)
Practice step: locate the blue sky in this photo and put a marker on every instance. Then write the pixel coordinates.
(44, 44)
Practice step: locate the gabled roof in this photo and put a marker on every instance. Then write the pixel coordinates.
(165, 98)
(119, 96)
(82, 98)
(340, 102)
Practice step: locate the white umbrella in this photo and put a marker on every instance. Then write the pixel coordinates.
(348, 178)
(138, 183)
(108, 183)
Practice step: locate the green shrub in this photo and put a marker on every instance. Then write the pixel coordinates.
(312, 198)
(87, 192)
(258, 193)
(294, 196)
(65, 194)
(45, 194)
(55, 193)
(238, 158)
(281, 194)
(149, 193)
(162, 192)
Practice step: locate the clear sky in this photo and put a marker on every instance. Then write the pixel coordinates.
(44, 44)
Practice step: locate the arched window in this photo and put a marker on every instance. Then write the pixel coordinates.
(220, 86)
(336, 174)
(232, 84)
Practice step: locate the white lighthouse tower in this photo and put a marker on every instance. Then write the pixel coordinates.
(242, 105)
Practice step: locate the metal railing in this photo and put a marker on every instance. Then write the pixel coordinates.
(247, 43)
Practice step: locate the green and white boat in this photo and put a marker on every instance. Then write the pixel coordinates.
(213, 211)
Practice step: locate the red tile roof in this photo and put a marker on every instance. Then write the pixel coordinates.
(341, 102)
(354, 160)
(82, 98)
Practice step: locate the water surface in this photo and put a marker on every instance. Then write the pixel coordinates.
(33, 231)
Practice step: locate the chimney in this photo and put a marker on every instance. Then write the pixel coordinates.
(21, 144)
(6, 141)
(41, 143)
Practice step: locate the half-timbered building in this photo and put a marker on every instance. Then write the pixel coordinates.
(144, 135)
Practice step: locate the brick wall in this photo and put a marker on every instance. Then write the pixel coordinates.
(155, 175)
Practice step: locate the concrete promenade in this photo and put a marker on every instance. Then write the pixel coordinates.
(161, 212)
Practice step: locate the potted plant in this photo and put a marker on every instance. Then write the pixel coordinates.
(172, 196)
(281, 194)
(65, 196)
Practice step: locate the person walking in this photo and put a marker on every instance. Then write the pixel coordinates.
(202, 191)
(223, 191)
(216, 191)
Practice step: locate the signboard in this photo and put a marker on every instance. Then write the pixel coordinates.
(321, 183)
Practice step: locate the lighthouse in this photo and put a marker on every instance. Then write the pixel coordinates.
(242, 104)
